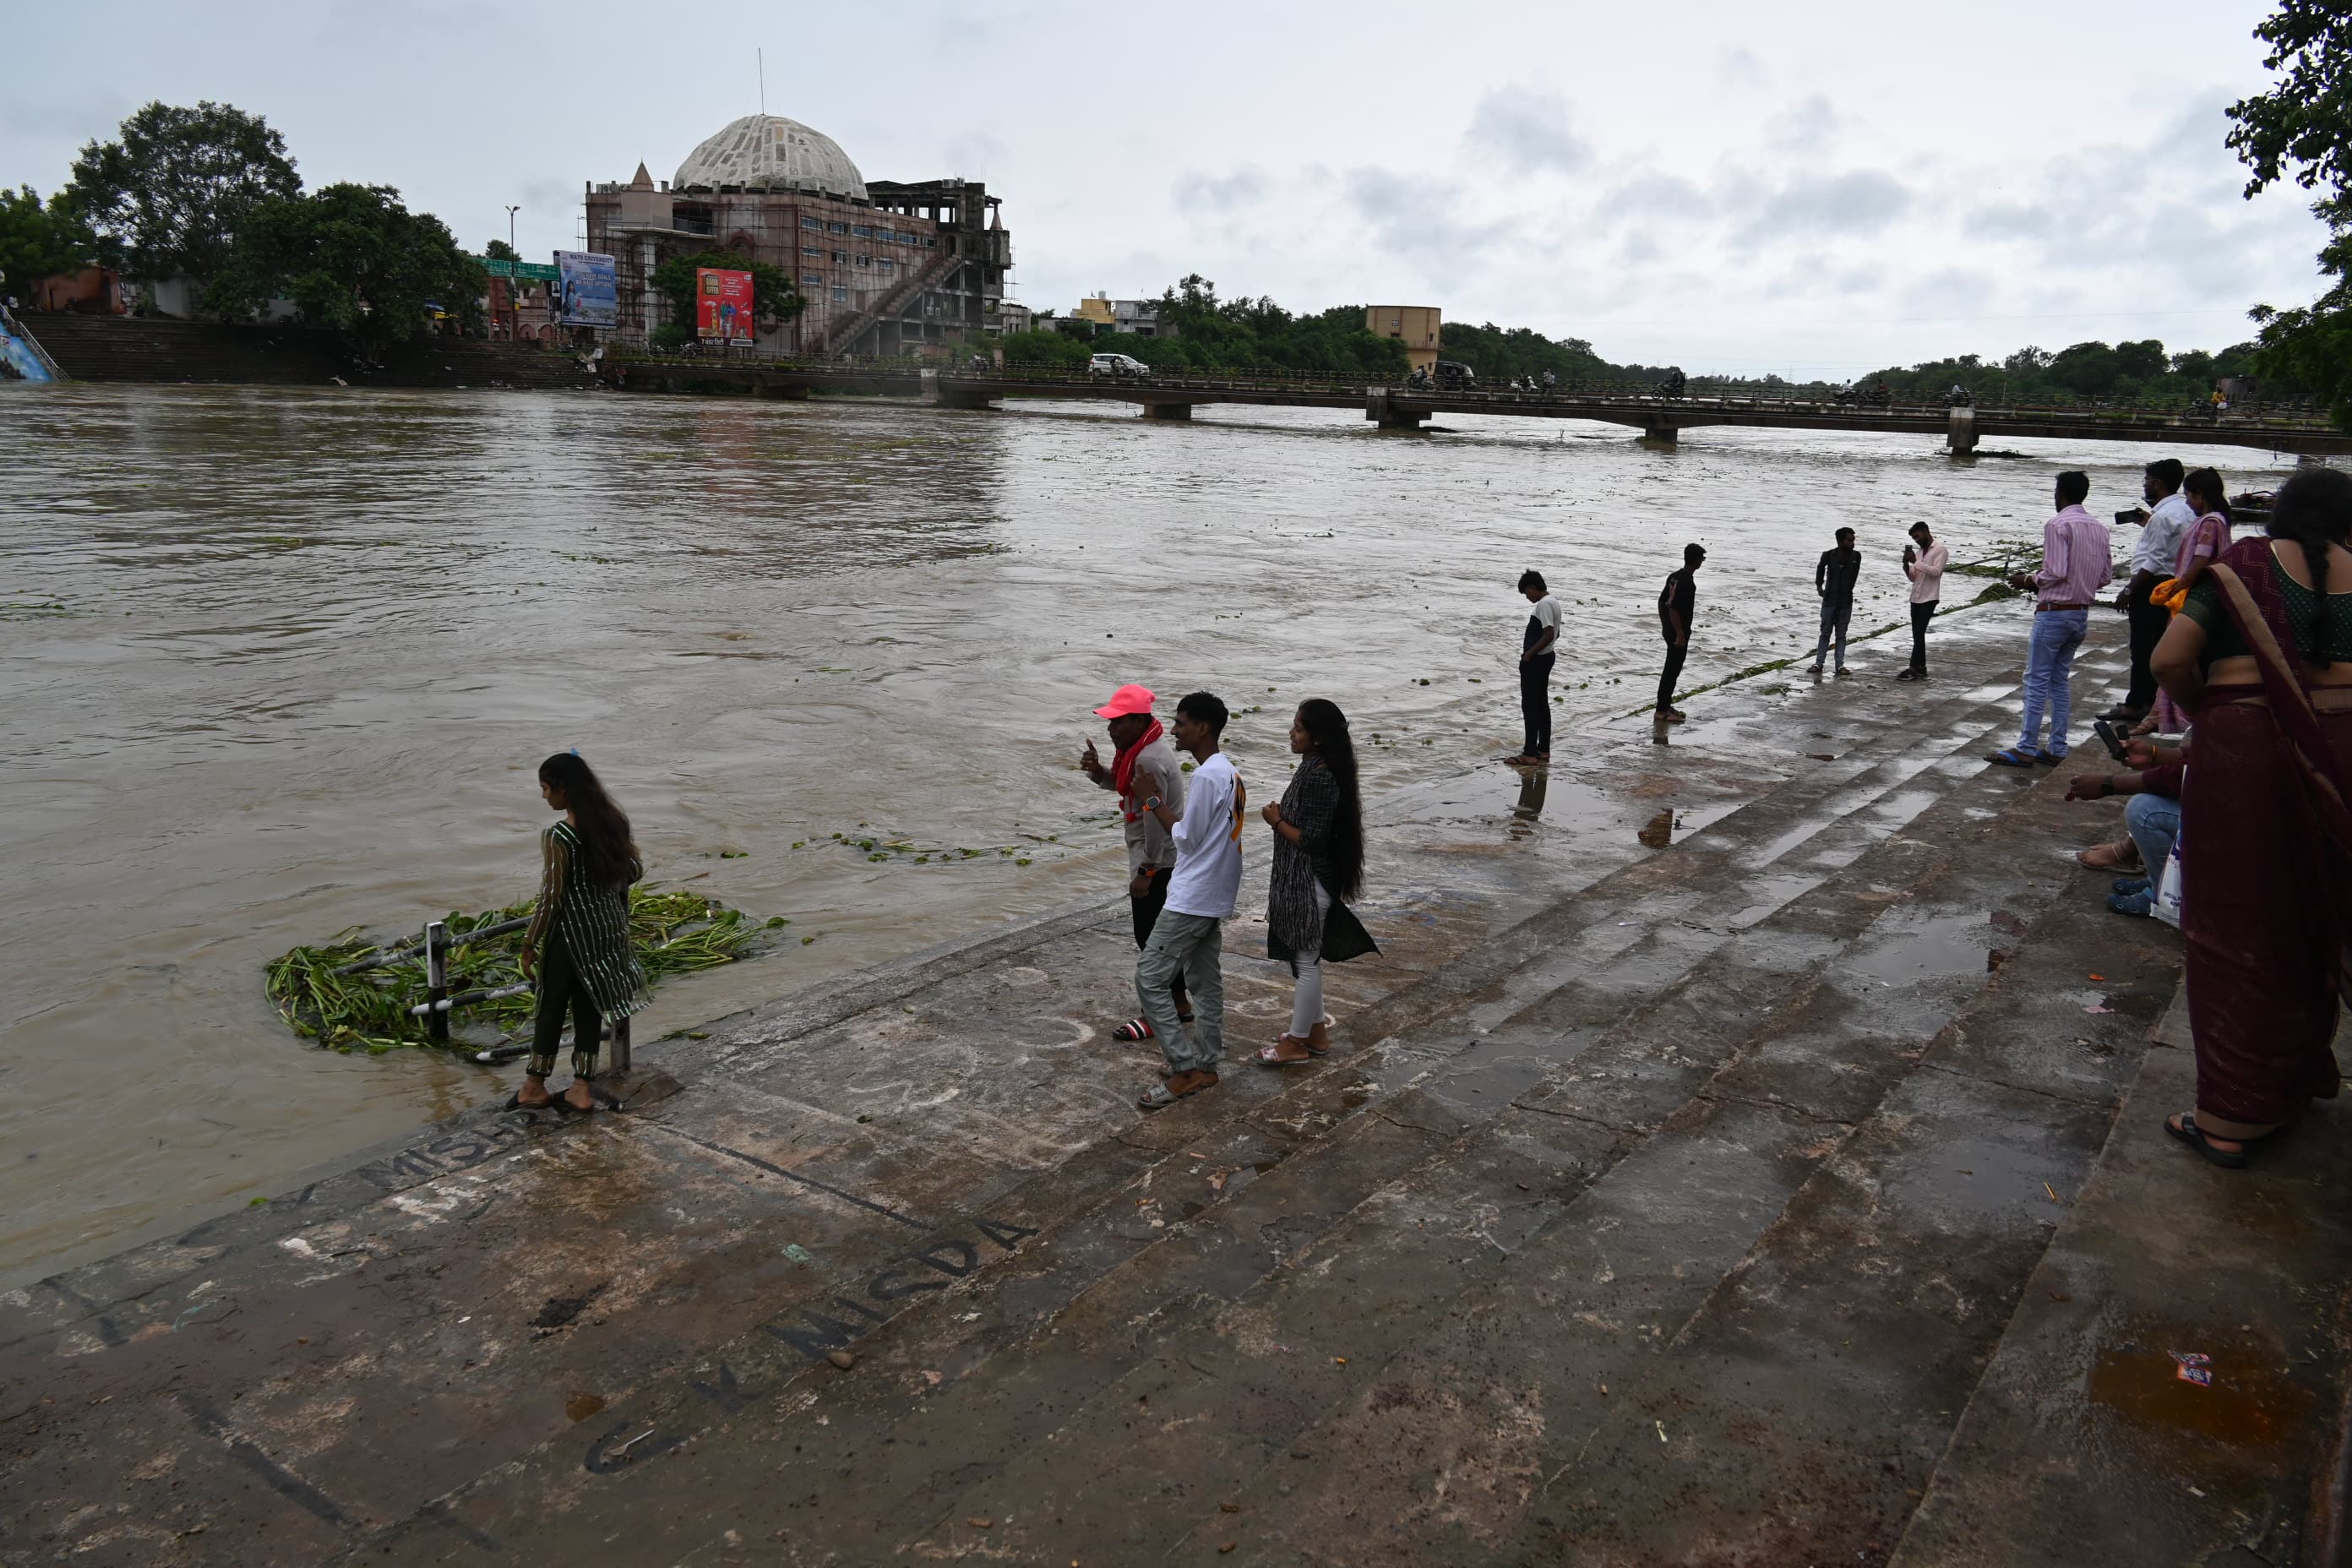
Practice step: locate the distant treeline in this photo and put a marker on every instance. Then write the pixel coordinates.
(1255, 334)
(1246, 333)
(2136, 373)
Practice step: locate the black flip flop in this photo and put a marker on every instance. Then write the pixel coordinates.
(515, 1103)
(2197, 1138)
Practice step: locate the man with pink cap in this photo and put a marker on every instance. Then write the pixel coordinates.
(1143, 768)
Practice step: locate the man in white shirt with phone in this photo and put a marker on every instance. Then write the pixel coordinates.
(1189, 936)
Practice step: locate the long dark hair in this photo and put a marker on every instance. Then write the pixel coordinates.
(2207, 484)
(606, 845)
(2314, 510)
(1327, 727)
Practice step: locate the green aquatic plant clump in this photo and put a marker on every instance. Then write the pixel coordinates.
(674, 932)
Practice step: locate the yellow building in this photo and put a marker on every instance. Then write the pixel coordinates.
(1417, 325)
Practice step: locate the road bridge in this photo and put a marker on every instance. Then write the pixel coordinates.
(1174, 394)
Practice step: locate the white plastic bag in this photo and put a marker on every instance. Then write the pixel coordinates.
(2168, 889)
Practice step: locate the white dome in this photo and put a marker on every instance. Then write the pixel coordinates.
(770, 153)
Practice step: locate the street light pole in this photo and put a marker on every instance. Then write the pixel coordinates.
(514, 299)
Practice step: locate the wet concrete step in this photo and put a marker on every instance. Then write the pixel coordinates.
(2083, 1442)
(1306, 1116)
(1780, 826)
(1797, 1413)
(897, 1202)
(1431, 1111)
(1212, 1416)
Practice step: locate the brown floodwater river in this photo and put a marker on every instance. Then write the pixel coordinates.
(281, 662)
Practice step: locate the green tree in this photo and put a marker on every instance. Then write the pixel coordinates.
(350, 256)
(2302, 129)
(36, 241)
(499, 250)
(172, 194)
(773, 298)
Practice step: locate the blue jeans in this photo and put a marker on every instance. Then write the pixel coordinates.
(2049, 676)
(1836, 615)
(2153, 823)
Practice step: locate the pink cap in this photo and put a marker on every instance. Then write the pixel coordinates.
(1126, 699)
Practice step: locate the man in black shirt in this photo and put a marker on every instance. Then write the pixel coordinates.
(1833, 580)
(1676, 603)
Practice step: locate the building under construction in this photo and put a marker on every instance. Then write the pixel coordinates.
(886, 268)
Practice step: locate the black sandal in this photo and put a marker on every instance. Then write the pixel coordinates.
(2197, 1138)
(515, 1101)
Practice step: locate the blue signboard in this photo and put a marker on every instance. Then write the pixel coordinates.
(589, 289)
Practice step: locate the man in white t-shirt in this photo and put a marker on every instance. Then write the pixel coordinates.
(1536, 657)
(1189, 936)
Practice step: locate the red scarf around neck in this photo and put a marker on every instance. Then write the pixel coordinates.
(1122, 769)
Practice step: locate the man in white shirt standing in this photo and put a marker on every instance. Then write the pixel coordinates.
(1924, 560)
(2160, 533)
(1189, 936)
(1536, 657)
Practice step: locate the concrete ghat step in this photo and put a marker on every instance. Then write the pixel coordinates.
(1213, 1416)
(1267, 1203)
(1797, 1415)
(763, 1144)
(1530, 958)
(2083, 1444)
(1464, 1093)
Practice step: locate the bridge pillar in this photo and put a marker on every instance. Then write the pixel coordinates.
(1659, 430)
(1382, 411)
(943, 394)
(1167, 411)
(1963, 435)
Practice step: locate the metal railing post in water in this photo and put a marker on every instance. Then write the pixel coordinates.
(436, 982)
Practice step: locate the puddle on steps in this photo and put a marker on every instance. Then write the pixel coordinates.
(2248, 1408)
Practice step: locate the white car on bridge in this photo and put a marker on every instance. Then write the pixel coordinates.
(1117, 364)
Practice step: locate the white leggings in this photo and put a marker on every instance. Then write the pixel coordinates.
(1307, 1001)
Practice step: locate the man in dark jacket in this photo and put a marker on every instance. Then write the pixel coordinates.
(1833, 580)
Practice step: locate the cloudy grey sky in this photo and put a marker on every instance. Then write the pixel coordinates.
(1816, 188)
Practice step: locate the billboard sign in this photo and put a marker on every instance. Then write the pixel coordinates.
(723, 300)
(589, 289)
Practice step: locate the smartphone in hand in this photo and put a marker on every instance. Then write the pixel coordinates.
(2110, 737)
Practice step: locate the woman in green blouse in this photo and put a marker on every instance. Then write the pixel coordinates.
(1318, 866)
(579, 936)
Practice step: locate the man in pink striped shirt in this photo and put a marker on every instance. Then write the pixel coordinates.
(2076, 567)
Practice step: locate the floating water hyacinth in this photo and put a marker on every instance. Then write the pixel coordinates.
(322, 996)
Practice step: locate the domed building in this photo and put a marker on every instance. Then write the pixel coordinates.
(887, 269)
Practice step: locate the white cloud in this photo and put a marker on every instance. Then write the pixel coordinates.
(1529, 132)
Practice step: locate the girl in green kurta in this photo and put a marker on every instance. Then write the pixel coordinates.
(579, 935)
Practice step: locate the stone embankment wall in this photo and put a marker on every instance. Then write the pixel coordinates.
(124, 348)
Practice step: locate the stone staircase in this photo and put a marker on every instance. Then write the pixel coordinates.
(841, 335)
(1678, 1221)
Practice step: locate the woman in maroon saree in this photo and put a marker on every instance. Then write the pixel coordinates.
(2262, 657)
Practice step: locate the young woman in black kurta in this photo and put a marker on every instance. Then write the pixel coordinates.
(1318, 866)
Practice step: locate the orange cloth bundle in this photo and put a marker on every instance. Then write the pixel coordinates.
(2169, 593)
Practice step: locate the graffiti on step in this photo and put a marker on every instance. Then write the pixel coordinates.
(440, 1156)
(819, 1329)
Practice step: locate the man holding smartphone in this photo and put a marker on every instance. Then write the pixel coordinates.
(1924, 560)
(2160, 533)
